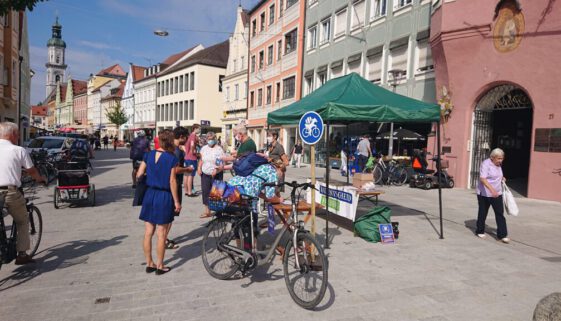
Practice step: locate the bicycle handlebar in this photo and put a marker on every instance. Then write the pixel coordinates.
(292, 184)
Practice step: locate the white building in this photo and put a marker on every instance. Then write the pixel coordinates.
(235, 80)
(145, 90)
(95, 93)
(128, 100)
(191, 91)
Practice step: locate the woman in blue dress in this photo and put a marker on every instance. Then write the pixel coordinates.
(160, 200)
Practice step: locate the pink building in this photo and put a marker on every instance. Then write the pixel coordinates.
(80, 103)
(275, 61)
(497, 63)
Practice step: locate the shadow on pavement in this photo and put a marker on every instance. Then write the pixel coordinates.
(110, 194)
(186, 252)
(57, 257)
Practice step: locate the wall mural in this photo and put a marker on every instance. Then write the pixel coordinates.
(508, 30)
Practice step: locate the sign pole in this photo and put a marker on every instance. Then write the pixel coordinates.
(313, 176)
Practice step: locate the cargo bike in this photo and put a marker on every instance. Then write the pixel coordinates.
(73, 184)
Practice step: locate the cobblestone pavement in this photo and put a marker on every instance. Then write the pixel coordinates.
(94, 254)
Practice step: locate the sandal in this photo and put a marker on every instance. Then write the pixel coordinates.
(165, 270)
(171, 245)
(150, 269)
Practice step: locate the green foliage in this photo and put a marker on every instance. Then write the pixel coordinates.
(116, 115)
(17, 5)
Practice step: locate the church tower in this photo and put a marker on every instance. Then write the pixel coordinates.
(55, 66)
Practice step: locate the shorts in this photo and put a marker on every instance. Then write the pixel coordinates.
(136, 164)
(193, 163)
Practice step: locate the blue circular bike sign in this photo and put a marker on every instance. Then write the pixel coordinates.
(311, 128)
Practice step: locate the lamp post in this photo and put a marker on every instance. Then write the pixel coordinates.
(396, 75)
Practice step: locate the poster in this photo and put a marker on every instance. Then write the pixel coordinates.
(343, 200)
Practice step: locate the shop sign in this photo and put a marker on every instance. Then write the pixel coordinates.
(343, 200)
(386, 233)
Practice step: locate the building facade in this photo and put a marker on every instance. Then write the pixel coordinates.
(190, 92)
(39, 115)
(235, 80)
(128, 100)
(98, 87)
(80, 105)
(56, 66)
(275, 61)
(65, 102)
(109, 100)
(498, 75)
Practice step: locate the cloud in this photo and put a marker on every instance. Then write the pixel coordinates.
(97, 45)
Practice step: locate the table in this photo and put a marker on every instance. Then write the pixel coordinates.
(369, 195)
(303, 206)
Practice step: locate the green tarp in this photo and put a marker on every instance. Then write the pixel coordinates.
(352, 98)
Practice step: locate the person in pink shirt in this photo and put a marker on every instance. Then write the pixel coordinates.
(191, 159)
(489, 193)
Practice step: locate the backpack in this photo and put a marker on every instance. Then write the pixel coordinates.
(79, 148)
(138, 148)
(245, 165)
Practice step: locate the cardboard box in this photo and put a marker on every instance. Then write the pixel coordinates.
(360, 179)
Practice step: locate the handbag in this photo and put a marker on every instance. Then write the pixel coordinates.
(139, 192)
(509, 202)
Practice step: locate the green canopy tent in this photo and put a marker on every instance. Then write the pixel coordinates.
(351, 99)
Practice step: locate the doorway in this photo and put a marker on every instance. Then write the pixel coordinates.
(503, 119)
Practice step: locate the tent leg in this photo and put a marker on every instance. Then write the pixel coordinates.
(438, 168)
(327, 165)
(348, 152)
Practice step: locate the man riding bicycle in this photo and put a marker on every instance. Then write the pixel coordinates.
(13, 159)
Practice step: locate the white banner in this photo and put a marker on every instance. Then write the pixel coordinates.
(343, 200)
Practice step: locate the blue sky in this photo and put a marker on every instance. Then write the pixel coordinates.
(100, 33)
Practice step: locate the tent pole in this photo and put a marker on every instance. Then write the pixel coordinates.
(438, 169)
(348, 152)
(327, 165)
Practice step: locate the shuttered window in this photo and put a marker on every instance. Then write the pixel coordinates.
(375, 67)
(399, 58)
(424, 56)
(341, 22)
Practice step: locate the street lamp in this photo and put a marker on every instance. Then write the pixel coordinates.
(396, 75)
(161, 33)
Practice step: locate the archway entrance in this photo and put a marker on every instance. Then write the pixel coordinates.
(503, 119)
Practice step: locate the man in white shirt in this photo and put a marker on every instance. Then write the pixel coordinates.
(13, 159)
(364, 152)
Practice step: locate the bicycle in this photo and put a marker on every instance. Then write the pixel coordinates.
(392, 173)
(8, 251)
(230, 238)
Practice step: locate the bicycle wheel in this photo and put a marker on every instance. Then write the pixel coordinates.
(400, 176)
(35, 228)
(218, 264)
(377, 174)
(306, 285)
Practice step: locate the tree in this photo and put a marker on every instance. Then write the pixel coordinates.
(18, 5)
(116, 115)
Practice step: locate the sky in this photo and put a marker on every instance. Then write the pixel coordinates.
(100, 33)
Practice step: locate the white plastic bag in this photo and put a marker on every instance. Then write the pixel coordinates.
(509, 202)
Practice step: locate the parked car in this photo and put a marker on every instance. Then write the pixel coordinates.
(53, 144)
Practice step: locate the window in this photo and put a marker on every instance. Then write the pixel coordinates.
(271, 14)
(379, 8)
(290, 3)
(180, 113)
(277, 92)
(259, 97)
(279, 49)
(235, 63)
(375, 67)
(322, 78)
(185, 105)
(358, 14)
(424, 56)
(175, 111)
(227, 93)
(401, 3)
(399, 58)
(220, 81)
(237, 92)
(181, 83)
(167, 87)
(261, 59)
(290, 41)
(251, 99)
(192, 110)
(262, 24)
(340, 22)
(288, 86)
(281, 7)
(312, 37)
(337, 71)
(269, 89)
(252, 63)
(309, 80)
(176, 85)
(192, 80)
(254, 27)
(353, 64)
(171, 86)
(325, 34)
(243, 66)
(270, 55)
(186, 82)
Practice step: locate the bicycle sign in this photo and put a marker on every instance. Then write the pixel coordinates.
(311, 127)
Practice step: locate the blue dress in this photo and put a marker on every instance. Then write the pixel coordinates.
(157, 205)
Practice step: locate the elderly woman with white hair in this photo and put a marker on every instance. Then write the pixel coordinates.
(210, 168)
(489, 193)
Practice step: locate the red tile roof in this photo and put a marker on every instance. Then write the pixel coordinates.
(115, 70)
(245, 17)
(137, 72)
(175, 57)
(39, 110)
(63, 91)
(79, 87)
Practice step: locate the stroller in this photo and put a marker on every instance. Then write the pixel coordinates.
(428, 178)
(73, 184)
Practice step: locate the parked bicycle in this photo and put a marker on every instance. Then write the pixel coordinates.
(46, 163)
(229, 246)
(8, 230)
(391, 173)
